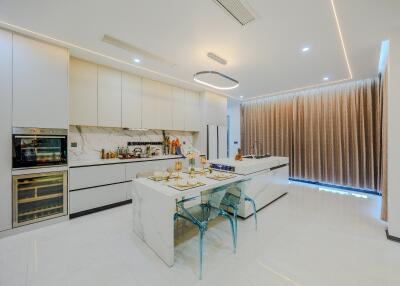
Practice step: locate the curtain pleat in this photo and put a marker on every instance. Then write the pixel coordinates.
(331, 135)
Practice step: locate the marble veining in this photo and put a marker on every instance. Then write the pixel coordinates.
(90, 140)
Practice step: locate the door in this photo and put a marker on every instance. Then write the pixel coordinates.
(178, 109)
(83, 93)
(109, 97)
(40, 84)
(212, 142)
(222, 142)
(131, 101)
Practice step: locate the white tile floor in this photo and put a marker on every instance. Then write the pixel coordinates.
(308, 238)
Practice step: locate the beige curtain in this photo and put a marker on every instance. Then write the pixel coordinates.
(266, 126)
(383, 168)
(331, 134)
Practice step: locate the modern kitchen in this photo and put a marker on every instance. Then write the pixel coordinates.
(131, 158)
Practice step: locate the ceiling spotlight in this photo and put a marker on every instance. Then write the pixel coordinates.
(326, 78)
(305, 49)
(215, 80)
(241, 96)
(136, 60)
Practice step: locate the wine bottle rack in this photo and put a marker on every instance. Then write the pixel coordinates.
(38, 197)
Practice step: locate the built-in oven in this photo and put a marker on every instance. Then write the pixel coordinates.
(39, 196)
(39, 147)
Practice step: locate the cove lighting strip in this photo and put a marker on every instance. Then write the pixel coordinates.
(320, 84)
(66, 44)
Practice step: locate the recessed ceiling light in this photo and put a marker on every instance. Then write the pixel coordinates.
(241, 96)
(305, 49)
(326, 78)
(136, 60)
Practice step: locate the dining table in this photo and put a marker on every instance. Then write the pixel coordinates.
(154, 205)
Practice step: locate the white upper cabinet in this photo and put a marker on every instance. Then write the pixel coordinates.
(192, 111)
(109, 97)
(216, 109)
(150, 114)
(131, 101)
(165, 105)
(5, 129)
(178, 109)
(82, 93)
(40, 84)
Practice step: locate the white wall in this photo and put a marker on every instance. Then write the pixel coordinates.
(234, 126)
(394, 136)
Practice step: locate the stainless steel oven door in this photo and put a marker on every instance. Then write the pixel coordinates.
(46, 147)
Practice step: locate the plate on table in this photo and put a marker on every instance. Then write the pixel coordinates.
(183, 186)
(164, 177)
(221, 176)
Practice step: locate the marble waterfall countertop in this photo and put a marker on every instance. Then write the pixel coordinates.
(95, 162)
(251, 165)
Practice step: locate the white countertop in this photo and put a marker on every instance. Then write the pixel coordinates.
(83, 163)
(247, 165)
(163, 188)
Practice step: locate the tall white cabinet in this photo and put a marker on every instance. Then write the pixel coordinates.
(82, 93)
(40, 84)
(150, 114)
(165, 103)
(178, 109)
(109, 97)
(131, 101)
(105, 97)
(192, 111)
(5, 129)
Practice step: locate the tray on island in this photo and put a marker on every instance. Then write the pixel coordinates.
(184, 187)
(220, 177)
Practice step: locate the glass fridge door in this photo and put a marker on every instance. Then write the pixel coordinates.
(39, 197)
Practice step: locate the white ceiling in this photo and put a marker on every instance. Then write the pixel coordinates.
(264, 56)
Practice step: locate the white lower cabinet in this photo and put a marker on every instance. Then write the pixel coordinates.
(91, 176)
(96, 186)
(265, 187)
(83, 200)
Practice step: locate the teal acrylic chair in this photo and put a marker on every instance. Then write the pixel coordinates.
(233, 198)
(201, 215)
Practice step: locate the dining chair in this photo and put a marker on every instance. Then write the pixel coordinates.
(232, 200)
(201, 215)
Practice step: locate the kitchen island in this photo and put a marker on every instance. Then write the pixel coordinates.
(269, 178)
(154, 203)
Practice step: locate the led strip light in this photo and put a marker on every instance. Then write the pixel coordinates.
(67, 44)
(320, 84)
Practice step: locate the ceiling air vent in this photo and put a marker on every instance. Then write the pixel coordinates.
(237, 10)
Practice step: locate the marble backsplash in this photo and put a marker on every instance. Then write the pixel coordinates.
(90, 140)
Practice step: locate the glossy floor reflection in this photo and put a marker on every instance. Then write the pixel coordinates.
(310, 237)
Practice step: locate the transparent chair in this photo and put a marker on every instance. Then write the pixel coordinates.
(201, 215)
(232, 200)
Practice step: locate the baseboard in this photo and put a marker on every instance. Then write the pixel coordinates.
(391, 237)
(33, 226)
(99, 209)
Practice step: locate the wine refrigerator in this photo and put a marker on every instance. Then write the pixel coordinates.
(38, 197)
